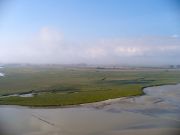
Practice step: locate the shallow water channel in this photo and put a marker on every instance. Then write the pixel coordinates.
(157, 112)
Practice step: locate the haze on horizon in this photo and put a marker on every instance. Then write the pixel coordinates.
(90, 31)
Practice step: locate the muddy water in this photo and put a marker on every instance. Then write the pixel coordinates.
(19, 95)
(157, 112)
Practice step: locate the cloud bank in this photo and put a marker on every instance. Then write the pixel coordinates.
(49, 46)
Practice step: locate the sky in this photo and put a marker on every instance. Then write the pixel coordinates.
(123, 32)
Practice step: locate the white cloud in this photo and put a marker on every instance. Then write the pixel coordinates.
(175, 36)
(48, 46)
(95, 52)
(47, 34)
(128, 51)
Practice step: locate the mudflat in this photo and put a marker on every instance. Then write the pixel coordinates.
(156, 112)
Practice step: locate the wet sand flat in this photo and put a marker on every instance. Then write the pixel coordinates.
(156, 112)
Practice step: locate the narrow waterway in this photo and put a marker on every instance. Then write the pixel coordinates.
(157, 112)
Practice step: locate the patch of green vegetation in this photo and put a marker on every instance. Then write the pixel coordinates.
(70, 86)
(52, 99)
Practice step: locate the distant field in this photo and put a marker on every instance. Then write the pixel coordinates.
(70, 86)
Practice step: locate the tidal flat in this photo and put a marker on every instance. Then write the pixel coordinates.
(156, 112)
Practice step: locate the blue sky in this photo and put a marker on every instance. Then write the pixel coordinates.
(78, 25)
